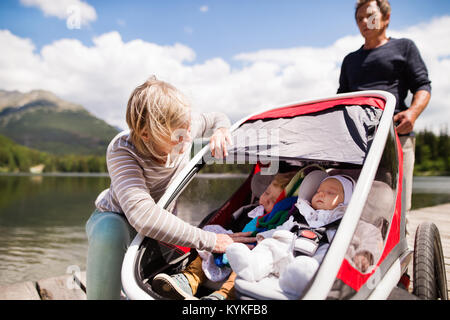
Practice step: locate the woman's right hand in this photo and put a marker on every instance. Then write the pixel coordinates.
(224, 240)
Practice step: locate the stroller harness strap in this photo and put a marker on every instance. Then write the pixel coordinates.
(308, 238)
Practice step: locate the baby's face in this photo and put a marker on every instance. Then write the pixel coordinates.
(329, 194)
(269, 197)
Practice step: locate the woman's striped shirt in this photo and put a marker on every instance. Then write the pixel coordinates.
(137, 184)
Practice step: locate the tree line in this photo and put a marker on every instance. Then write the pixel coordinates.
(432, 153)
(17, 158)
(432, 157)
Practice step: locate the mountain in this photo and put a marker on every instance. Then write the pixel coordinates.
(41, 120)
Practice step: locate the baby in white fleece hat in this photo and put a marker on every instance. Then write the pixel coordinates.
(274, 253)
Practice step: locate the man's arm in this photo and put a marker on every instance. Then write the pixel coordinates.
(405, 120)
(420, 84)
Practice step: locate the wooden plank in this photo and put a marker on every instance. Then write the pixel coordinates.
(81, 280)
(443, 225)
(433, 215)
(19, 291)
(60, 288)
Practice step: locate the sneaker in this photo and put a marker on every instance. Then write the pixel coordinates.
(174, 287)
(213, 296)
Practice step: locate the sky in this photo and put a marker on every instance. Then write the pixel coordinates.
(225, 55)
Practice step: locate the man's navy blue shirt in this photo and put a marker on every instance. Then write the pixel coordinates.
(395, 67)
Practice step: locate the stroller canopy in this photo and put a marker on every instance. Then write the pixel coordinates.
(337, 131)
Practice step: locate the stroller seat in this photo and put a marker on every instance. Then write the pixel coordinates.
(268, 288)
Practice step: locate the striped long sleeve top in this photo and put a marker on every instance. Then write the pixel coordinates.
(138, 183)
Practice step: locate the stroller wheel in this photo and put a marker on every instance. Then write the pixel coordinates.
(430, 281)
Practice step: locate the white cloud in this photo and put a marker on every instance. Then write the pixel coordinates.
(433, 41)
(102, 76)
(77, 10)
(204, 9)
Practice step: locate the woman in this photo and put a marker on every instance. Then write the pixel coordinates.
(141, 164)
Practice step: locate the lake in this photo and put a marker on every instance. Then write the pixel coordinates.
(42, 218)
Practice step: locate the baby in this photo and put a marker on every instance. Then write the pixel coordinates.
(275, 251)
(216, 266)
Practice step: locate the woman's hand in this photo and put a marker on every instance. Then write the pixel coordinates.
(224, 240)
(218, 143)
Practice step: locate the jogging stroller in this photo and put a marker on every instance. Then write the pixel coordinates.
(351, 134)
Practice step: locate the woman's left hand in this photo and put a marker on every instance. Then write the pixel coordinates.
(218, 143)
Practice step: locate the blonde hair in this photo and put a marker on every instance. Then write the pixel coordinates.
(281, 180)
(157, 108)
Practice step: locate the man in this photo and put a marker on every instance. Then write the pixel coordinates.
(393, 65)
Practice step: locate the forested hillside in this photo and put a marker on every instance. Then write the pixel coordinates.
(17, 158)
(432, 153)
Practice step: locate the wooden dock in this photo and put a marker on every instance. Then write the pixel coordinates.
(67, 287)
(73, 287)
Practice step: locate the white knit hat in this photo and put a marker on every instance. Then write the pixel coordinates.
(347, 184)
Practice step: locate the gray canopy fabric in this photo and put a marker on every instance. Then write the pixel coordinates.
(340, 134)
